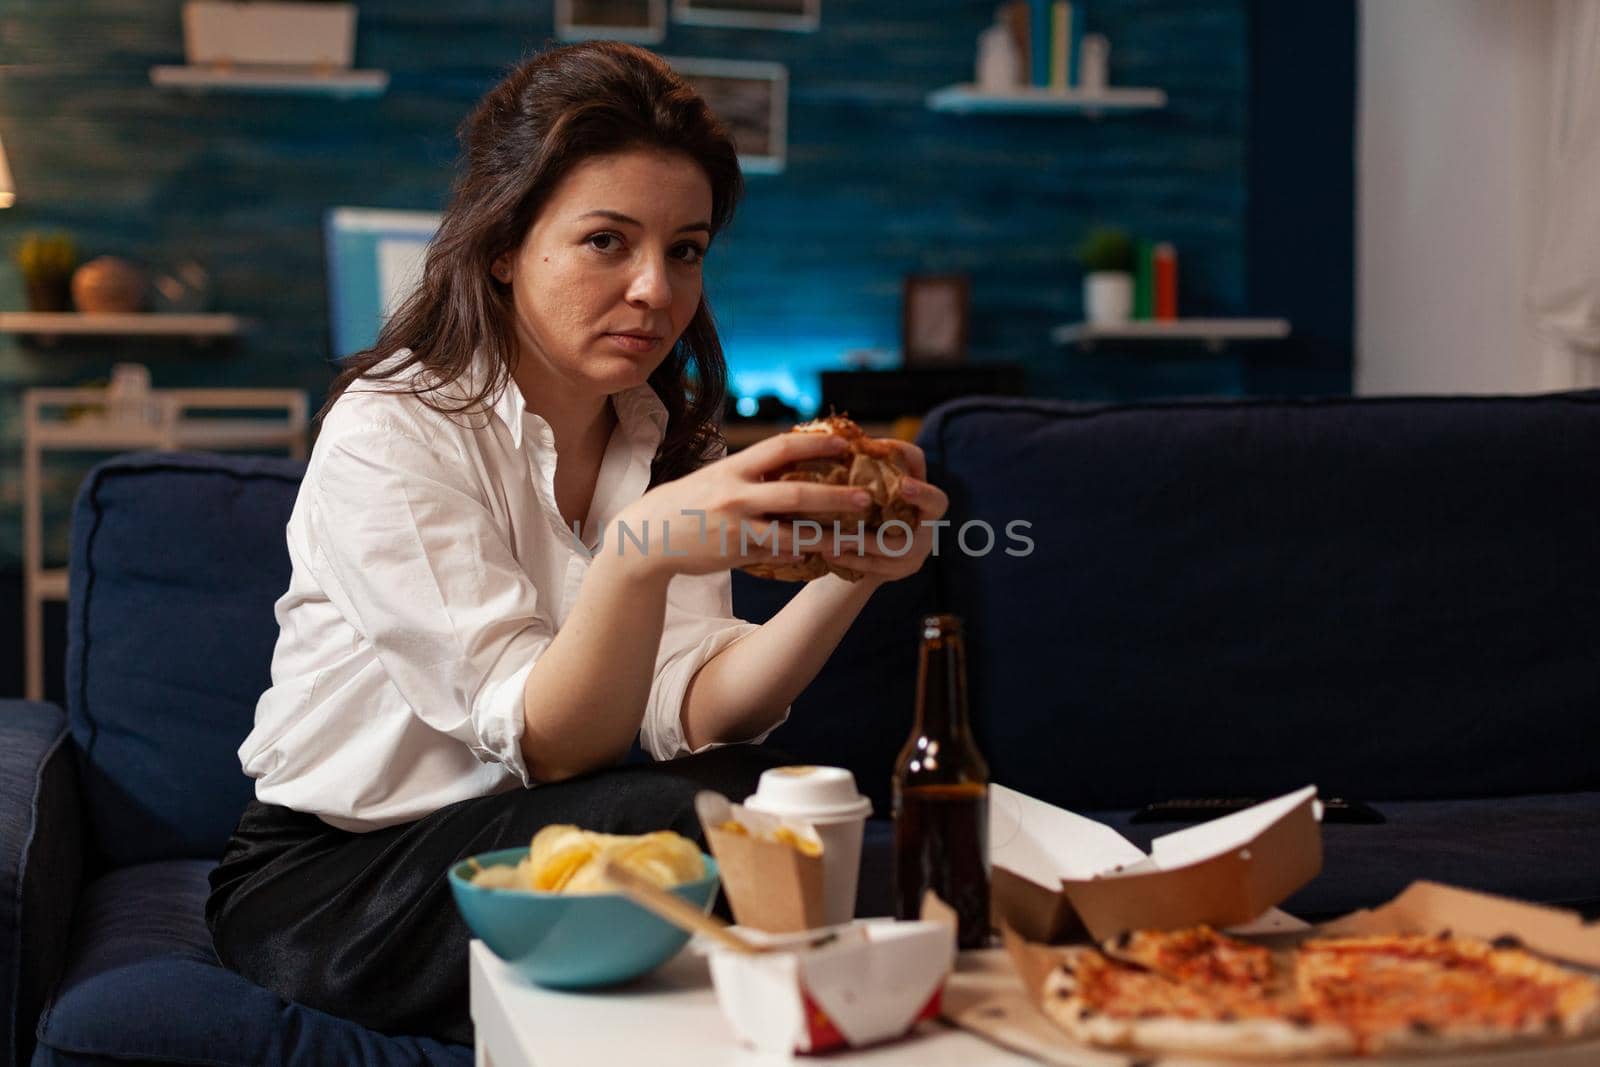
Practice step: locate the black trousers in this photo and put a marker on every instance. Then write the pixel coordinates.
(362, 925)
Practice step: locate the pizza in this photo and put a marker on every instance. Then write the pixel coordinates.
(1197, 991)
(1405, 993)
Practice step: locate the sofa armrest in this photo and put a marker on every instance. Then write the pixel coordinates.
(41, 863)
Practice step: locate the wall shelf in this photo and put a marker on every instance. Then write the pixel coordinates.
(1213, 333)
(258, 79)
(968, 99)
(50, 326)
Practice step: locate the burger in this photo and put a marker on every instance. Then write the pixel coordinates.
(871, 464)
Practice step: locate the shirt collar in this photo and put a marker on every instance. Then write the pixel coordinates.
(640, 413)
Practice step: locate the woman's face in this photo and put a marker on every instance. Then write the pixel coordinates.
(608, 275)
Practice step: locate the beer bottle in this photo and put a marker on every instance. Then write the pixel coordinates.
(941, 792)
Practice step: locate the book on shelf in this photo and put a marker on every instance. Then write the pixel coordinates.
(1060, 45)
(1143, 280)
(1075, 47)
(1164, 260)
(1016, 17)
(1048, 34)
(1039, 43)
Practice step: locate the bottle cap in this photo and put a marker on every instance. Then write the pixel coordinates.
(807, 792)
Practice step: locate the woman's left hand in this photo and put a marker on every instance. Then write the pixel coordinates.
(898, 559)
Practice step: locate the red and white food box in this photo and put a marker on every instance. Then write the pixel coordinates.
(872, 982)
(1057, 876)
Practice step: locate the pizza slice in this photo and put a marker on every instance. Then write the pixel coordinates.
(1197, 991)
(1419, 993)
(1187, 991)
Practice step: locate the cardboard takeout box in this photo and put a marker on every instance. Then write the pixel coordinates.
(1432, 908)
(1011, 1018)
(770, 885)
(1057, 875)
(875, 981)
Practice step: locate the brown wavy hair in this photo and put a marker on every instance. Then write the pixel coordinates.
(550, 113)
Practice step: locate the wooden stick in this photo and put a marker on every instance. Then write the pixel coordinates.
(674, 909)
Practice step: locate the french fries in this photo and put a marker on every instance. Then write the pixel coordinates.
(783, 835)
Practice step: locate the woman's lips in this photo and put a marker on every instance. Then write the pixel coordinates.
(634, 344)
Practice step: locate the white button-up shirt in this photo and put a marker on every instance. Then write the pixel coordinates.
(431, 567)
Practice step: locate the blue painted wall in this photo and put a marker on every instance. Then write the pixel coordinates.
(877, 185)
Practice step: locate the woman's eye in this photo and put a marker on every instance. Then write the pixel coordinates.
(692, 253)
(603, 237)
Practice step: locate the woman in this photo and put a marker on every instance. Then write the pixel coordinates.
(468, 646)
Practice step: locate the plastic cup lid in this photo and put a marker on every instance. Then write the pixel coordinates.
(807, 792)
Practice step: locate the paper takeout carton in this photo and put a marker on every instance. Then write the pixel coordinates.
(1432, 908)
(771, 886)
(872, 982)
(1012, 1019)
(1057, 876)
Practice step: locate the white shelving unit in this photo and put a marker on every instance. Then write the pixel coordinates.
(172, 421)
(1213, 333)
(326, 81)
(51, 326)
(968, 99)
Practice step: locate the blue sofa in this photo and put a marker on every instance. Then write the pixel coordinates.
(1395, 599)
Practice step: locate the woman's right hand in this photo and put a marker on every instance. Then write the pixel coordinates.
(693, 525)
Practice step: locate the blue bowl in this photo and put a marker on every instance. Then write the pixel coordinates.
(572, 942)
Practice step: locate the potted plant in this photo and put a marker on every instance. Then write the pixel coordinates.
(269, 33)
(1106, 255)
(46, 261)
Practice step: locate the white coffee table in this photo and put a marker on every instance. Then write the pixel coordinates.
(668, 1019)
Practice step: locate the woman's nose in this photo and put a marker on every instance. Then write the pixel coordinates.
(651, 286)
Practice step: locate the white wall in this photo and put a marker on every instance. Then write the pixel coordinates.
(1451, 134)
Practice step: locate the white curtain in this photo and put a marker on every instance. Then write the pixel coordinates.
(1564, 293)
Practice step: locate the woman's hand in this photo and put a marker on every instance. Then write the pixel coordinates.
(722, 515)
(902, 553)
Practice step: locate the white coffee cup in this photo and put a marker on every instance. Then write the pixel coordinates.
(825, 797)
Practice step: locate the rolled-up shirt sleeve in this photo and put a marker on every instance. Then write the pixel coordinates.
(699, 624)
(408, 551)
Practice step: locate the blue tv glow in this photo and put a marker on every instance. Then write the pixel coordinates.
(375, 260)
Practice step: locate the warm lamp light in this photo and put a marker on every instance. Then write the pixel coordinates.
(8, 191)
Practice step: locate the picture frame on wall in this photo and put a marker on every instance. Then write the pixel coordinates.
(934, 320)
(635, 21)
(752, 100)
(799, 16)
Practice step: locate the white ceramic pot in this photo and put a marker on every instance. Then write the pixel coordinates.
(1108, 297)
(269, 33)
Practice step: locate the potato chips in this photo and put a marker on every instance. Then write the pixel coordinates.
(565, 859)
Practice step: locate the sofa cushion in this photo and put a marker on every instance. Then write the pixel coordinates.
(1393, 598)
(1536, 848)
(143, 984)
(176, 563)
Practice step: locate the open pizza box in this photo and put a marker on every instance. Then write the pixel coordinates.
(1057, 876)
(1003, 1003)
